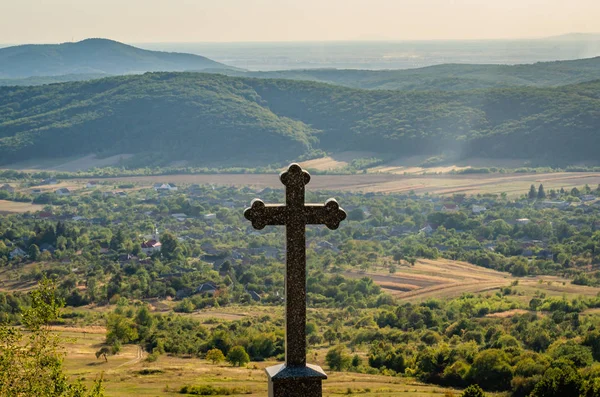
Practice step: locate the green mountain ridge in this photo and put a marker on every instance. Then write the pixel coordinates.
(448, 77)
(93, 56)
(204, 118)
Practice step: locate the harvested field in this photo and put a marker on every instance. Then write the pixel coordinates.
(512, 184)
(13, 207)
(444, 278)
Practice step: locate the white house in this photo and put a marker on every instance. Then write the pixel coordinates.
(588, 197)
(450, 208)
(427, 229)
(210, 217)
(50, 181)
(91, 185)
(523, 221)
(478, 209)
(165, 187)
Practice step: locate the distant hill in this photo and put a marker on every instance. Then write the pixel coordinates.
(449, 77)
(205, 119)
(93, 56)
(575, 37)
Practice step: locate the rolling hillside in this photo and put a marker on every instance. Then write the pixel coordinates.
(204, 118)
(93, 56)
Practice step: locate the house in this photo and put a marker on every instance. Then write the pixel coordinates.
(17, 253)
(427, 229)
(179, 217)
(478, 209)
(126, 258)
(268, 252)
(207, 288)
(36, 191)
(47, 247)
(151, 246)
(45, 215)
(50, 181)
(170, 187)
(322, 245)
(121, 194)
(523, 221)
(63, 192)
(555, 204)
(254, 295)
(450, 208)
(7, 188)
(91, 185)
(210, 217)
(183, 293)
(588, 197)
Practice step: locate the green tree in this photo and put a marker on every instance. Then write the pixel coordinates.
(32, 364)
(532, 192)
(104, 351)
(33, 252)
(591, 388)
(120, 328)
(541, 192)
(473, 391)
(330, 336)
(337, 359)
(237, 356)
(558, 382)
(169, 245)
(356, 215)
(215, 356)
(491, 370)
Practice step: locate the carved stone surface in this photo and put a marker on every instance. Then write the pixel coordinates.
(295, 378)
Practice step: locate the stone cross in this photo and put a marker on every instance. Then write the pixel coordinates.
(295, 377)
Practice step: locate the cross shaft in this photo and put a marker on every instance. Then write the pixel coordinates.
(295, 215)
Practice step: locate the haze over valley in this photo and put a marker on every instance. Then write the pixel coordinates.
(459, 256)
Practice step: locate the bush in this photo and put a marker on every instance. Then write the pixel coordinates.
(473, 391)
(337, 359)
(209, 390)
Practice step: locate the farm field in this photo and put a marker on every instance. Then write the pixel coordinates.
(443, 278)
(128, 373)
(512, 184)
(12, 207)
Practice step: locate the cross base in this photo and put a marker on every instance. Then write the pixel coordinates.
(295, 381)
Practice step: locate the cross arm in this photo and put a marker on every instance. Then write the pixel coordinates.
(329, 214)
(261, 214)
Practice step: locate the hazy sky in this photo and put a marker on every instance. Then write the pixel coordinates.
(46, 21)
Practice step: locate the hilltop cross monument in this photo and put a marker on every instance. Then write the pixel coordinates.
(295, 378)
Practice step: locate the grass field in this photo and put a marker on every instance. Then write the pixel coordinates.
(512, 184)
(129, 374)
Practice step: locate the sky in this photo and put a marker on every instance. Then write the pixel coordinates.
(52, 21)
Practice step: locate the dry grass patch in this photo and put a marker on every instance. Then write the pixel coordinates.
(13, 207)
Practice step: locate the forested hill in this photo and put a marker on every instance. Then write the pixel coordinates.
(204, 117)
(93, 56)
(449, 77)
